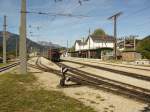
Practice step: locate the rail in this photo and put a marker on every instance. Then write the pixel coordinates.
(2, 69)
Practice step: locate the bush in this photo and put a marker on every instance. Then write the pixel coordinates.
(144, 47)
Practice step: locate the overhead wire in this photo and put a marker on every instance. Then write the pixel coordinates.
(56, 14)
(132, 14)
(137, 12)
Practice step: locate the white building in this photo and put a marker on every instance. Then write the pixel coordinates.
(94, 42)
(94, 45)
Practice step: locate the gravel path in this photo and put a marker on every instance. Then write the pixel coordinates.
(112, 66)
(110, 75)
(97, 99)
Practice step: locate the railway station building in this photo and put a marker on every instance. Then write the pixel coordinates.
(98, 47)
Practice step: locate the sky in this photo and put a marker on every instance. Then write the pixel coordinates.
(135, 19)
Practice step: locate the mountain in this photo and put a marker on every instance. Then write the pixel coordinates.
(50, 44)
(11, 43)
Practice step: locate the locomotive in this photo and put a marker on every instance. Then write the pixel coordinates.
(54, 55)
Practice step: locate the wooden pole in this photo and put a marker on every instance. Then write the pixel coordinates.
(114, 17)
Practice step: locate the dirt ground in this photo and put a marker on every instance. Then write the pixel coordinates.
(99, 100)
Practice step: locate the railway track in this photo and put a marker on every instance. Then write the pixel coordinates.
(2, 69)
(136, 67)
(44, 68)
(133, 75)
(115, 87)
(120, 66)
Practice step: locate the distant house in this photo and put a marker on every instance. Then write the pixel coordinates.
(95, 46)
(78, 45)
(127, 43)
(127, 48)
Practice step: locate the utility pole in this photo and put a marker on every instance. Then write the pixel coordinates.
(67, 45)
(134, 37)
(83, 42)
(4, 40)
(114, 18)
(89, 43)
(67, 48)
(134, 44)
(16, 48)
(124, 43)
(83, 54)
(22, 45)
(134, 41)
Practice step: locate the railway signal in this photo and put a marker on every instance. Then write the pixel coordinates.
(63, 71)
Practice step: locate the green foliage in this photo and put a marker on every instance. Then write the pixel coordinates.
(11, 53)
(98, 32)
(144, 47)
(72, 49)
(62, 48)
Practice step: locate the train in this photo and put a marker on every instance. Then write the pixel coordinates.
(54, 55)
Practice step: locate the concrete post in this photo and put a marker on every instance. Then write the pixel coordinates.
(4, 41)
(134, 43)
(16, 48)
(124, 43)
(89, 49)
(22, 45)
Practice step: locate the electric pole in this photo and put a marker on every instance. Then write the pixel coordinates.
(89, 43)
(16, 48)
(124, 43)
(67, 46)
(4, 40)
(114, 18)
(134, 44)
(22, 45)
(134, 39)
(83, 42)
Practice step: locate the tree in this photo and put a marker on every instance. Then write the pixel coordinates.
(72, 49)
(98, 32)
(144, 47)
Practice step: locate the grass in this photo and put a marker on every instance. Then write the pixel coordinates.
(98, 97)
(78, 93)
(93, 102)
(20, 93)
(114, 61)
(1, 64)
